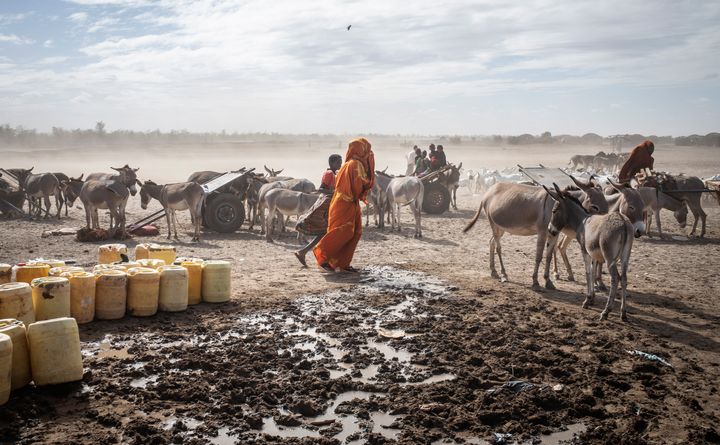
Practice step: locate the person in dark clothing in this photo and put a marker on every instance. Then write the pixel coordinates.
(327, 186)
(640, 158)
(442, 160)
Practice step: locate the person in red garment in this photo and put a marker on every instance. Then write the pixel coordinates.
(640, 158)
(353, 182)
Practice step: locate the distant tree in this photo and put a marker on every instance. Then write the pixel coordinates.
(100, 128)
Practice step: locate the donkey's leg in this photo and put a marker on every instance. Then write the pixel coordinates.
(550, 244)
(46, 199)
(398, 218)
(498, 248)
(539, 249)
(168, 217)
(563, 252)
(703, 217)
(175, 223)
(599, 285)
(58, 203)
(614, 278)
(590, 296)
(493, 271)
(657, 222)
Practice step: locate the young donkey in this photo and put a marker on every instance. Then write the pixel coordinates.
(181, 196)
(603, 238)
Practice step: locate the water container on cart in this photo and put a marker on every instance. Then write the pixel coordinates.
(15, 329)
(6, 353)
(55, 351)
(143, 291)
(82, 296)
(51, 297)
(173, 288)
(110, 294)
(16, 302)
(216, 281)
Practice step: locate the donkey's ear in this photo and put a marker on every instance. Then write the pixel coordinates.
(618, 187)
(559, 192)
(81, 176)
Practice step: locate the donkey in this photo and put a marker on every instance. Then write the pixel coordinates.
(406, 190)
(72, 187)
(110, 194)
(654, 200)
(603, 238)
(274, 175)
(626, 201)
(378, 199)
(180, 196)
(286, 202)
(296, 185)
(237, 186)
(451, 181)
(522, 210)
(39, 186)
(692, 200)
(126, 176)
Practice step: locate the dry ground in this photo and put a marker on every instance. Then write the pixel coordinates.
(214, 369)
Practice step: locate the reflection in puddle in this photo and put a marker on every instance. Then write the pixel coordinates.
(559, 438)
(143, 382)
(348, 423)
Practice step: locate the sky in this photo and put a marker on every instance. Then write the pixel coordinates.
(418, 67)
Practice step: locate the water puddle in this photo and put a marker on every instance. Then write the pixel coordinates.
(558, 438)
(347, 423)
(143, 382)
(432, 379)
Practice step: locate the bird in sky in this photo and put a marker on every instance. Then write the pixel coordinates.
(348, 28)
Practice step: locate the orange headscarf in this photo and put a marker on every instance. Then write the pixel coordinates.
(361, 150)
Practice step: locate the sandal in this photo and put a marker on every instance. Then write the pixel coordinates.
(351, 269)
(327, 267)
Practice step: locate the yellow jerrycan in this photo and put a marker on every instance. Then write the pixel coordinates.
(143, 291)
(6, 356)
(110, 253)
(5, 273)
(51, 297)
(28, 272)
(110, 294)
(82, 296)
(163, 252)
(55, 351)
(195, 271)
(173, 288)
(216, 281)
(15, 329)
(16, 302)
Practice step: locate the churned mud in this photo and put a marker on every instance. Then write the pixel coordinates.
(393, 357)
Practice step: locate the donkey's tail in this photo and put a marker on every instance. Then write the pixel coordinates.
(475, 218)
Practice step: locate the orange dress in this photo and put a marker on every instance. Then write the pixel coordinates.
(352, 184)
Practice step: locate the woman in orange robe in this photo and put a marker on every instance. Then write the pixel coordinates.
(352, 185)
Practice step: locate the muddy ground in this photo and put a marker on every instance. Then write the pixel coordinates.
(421, 347)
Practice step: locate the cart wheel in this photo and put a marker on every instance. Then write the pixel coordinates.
(436, 199)
(225, 213)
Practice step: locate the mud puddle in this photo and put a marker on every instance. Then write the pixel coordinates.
(395, 357)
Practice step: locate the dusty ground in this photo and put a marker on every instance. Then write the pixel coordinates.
(416, 349)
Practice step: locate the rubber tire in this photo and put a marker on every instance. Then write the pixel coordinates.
(225, 213)
(436, 199)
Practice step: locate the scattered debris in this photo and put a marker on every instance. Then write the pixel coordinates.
(651, 357)
(60, 232)
(516, 386)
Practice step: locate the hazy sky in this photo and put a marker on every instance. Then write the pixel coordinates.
(468, 67)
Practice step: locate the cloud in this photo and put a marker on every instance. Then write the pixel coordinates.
(48, 43)
(12, 18)
(103, 24)
(52, 60)
(12, 38)
(274, 57)
(78, 17)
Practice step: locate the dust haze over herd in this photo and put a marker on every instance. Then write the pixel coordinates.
(452, 67)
